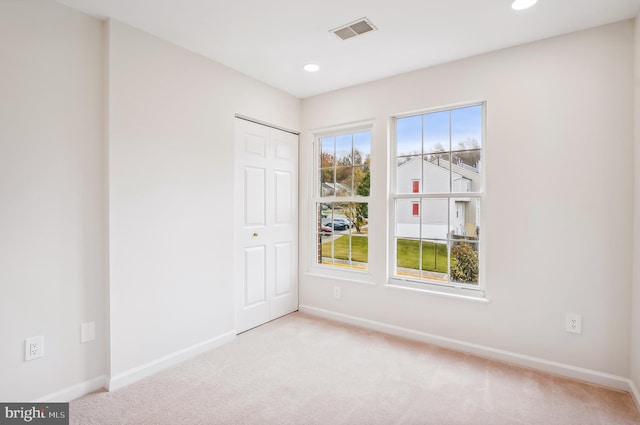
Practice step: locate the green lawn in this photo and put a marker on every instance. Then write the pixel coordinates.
(359, 248)
(434, 256)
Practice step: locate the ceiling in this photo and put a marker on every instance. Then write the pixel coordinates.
(271, 40)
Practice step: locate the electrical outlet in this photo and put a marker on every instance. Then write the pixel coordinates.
(336, 292)
(33, 347)
(87, 332)
(574, 323)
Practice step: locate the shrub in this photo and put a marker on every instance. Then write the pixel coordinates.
(465, 266)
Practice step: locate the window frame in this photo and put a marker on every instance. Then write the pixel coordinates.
(315, 267)
(450, 288)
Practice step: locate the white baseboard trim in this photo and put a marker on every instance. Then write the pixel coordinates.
(562, 369)
(132, 375)
(634, 393)
(78, 390)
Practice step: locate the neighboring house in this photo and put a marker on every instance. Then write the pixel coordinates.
(439, 220)
(337, 189)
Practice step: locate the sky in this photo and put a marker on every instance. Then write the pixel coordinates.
(429, 131)
(360, 141)
(466, 123)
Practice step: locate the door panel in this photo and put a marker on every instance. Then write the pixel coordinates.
(254, 189)
(256, 144)
(255, 282)
(266, 285)
(282, 149)
(283, 199)
(283, 268)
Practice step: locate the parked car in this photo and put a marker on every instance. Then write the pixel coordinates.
(348, 223)
(325, 230)
(337, 225)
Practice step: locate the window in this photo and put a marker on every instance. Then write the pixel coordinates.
(341, 201)
(438, 179)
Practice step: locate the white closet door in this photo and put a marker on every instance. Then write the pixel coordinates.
(266, 258)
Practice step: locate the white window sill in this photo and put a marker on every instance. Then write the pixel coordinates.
(477, 296)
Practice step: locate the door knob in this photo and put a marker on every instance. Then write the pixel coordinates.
(255, 234)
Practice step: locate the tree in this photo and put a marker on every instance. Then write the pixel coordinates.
(365, 183)
(347, 175)
(360, 210)
(326, 160)
(468, 152)
(439, 153)
(364, 190)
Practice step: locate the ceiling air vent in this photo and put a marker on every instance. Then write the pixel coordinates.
(358, 27)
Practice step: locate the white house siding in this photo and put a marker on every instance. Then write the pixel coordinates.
(434, 213)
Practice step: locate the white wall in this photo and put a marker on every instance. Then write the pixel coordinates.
(171, 135)
(561, 109)
(113, 144)
(561, 104)
(52, 204)
(635, 330)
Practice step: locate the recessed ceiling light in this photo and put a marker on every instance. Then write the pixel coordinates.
(522, 4)
(311, 67)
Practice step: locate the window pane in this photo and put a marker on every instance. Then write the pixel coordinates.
(327, 186)
(407, 225)
(356, 215)
(436, 178)
(325, 211)
(435, 215)
(409, 169)
(460, 183)
(359, 252)
(327, 152)
(466, 128)
(344, 148)
(343, 235)
(362, 148)
(434, 260)
(465, 177)
(468, 160)
(336, 217)
(410, 253)
(323, 232)
(409, 136)
(436, 132)
(408, 257)
(362, 181)
(344, 181)
(324, 235)
(465, 218)
(464, 262)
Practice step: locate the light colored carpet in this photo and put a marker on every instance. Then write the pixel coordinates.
(304, 370)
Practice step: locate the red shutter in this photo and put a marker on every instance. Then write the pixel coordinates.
(416, 186)
(416, 208)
